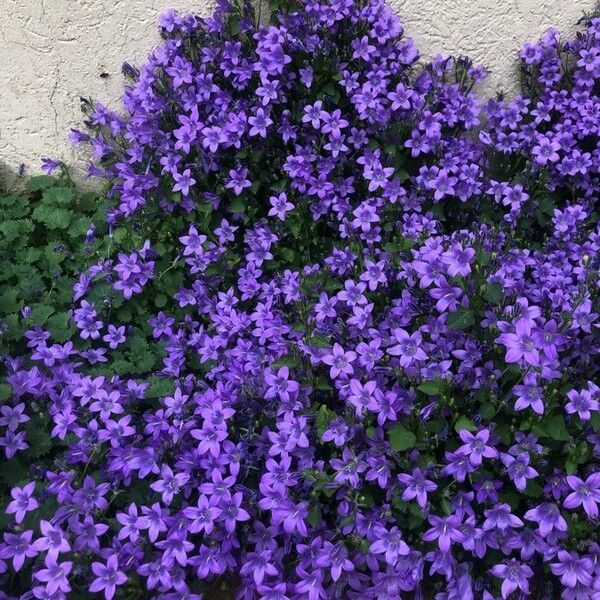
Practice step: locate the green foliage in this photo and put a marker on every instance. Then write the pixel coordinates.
(42, 251)
(401, 438)
(461, 319)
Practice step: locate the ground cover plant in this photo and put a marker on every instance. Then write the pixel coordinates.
(47, 232)
(340, 336)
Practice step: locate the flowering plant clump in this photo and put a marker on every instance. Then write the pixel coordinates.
(337, 346)
(47, 232)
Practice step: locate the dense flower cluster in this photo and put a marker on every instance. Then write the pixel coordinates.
(331, 356)
(555, 128)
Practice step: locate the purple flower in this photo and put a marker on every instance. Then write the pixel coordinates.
(202, 516)
(279, 385)
(54, 575)
(258, 565)
(115, 336)
(521, 345)
(445, 530)
(259, 123)
(581, 403)
(548, 517)
(546, 150)
(53, 540)
(390, 544)
(459, 465)
(154, 520)
(447, 296)
(416, 486)
(518, 469)
(108, 577)
(313, 114)
(280, 206)
(458, 260)
(237, 180)
(22, 502)
(169, 483)
(230, 512)
(408, 347)
(500, 517)
(50, 165)
(443, 184)
(337, 432)
(192, 242)
(572, 569)
(18, 546)
(340, 361)
(334, 557)
(183, 182)
(515, 576)
(486, 311)
(586, 493)
(529, 395)
(475, 446)
(348, 468)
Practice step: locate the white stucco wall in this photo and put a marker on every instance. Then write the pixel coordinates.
(53, 51)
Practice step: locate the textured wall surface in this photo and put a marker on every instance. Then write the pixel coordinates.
(53, 51)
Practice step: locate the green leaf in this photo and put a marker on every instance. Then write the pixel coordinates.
(323, 384)
(483, 258)
(142, 361)
(318, 341)
(5, 391)
(323, 417)
(59, 325)
(58, 196)
(288, 254)
(40, 182)
(29, 255)
(446, 506)
(487, 410)
(14, 331)
(432, 388)
(570, 467)
(205, 208)
(159, 387)
(9, 200)
(314, 516)
(8, 301)
(401, 438)
(237, 205)
(120, 235)
(556, 429)
(160, 300)
(461, 319)
(494, 293)
(464, 423)
(285, 361)
(38, 437)
(89, 202)
(534, 489)
(504, 432)
(121, 367)
(595, 421)
(79, 226)
(12, 471)
(53, 218)
(40, 314)
(10, 230)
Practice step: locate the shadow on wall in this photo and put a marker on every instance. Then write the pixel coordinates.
(11, 180)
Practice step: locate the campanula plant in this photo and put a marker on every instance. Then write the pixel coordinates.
(343, 339)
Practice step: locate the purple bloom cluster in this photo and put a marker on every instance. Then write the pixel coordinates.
(554, 126)
(408, 407)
